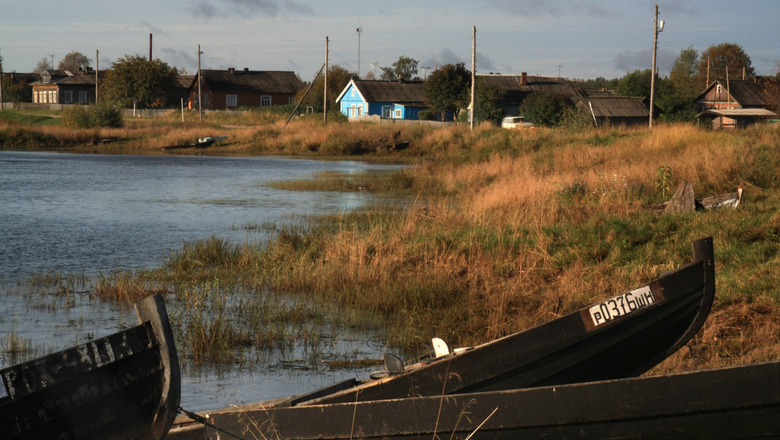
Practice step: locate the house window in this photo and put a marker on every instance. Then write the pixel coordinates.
(83, 97)
(387, 112)
(68, 97)
(291, 101)
(231, 101)
(35, 97)
(398, 114)
(265, 101)
(718, 89)
(353, 110)
(353, 93)
(360, 110)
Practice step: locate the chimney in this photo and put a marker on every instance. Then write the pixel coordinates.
(246, 69)
(523, 79)
(231, 70)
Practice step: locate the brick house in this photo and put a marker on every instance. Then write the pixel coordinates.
(231, 88)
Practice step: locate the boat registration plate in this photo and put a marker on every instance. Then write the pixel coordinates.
(621, 305)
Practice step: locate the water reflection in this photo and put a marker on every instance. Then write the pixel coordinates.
(87, 214)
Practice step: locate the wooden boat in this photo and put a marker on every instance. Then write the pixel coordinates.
(202, 143)
(620, 337)
(740, 402)
(683, 201)
(124, 386)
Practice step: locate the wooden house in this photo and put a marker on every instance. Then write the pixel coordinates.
(518, 87)
(604, 107)
(65, 86)
(387, 99)
(735, 103)
(231, 88)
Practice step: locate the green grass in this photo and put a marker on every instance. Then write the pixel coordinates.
(30, 117)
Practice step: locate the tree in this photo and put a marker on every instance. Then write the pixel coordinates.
(545, 108)
(447, 89)
(722, 57)
(404, 69)
(42, 65)
(636, 83)
(683, 73)
(490, 102)
(73, 61)
(134, 77)
(16, 91)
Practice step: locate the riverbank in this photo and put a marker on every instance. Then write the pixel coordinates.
(509, 229)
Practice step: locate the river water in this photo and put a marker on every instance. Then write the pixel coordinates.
(91, 214)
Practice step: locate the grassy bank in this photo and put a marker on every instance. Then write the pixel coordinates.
(508, 229)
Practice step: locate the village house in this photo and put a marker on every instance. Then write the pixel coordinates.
(65, 87)
(735, 103)
(606, 108)
(231, 88)
(386, 99)
(518, 87)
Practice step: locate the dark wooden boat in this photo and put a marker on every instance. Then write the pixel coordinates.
(202, 143)
(124, 386)
(620, 337)
(740, 402)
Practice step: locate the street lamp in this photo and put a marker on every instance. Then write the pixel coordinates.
(657, 28)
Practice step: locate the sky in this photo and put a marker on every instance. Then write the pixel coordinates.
(576, 39)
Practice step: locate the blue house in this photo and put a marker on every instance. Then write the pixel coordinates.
(387, 99)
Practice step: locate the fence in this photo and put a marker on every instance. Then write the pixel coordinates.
(376, 119)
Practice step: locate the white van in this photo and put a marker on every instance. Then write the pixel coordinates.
(516, 122)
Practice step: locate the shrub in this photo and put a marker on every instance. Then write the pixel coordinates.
(101, 114)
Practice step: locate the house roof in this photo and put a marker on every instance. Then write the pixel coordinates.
(596, 93)
(186, 81)
(68, 77)
(747, 93)
(516, 92)
(616, 107)
(406, 92)
(251, 81)
(738, 112)
(27, 77)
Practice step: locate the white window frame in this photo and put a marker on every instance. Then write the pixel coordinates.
(68, 97)
(399, 114)
(387, 111)
(353, 92)
(231, 100)
(360, 109)
(265, 100)
(353, 110)
(83, 98)
(35, 97)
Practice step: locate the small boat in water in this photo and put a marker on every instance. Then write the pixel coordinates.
(741, 402)
(124, 386)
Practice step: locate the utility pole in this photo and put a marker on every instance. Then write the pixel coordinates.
(2, 103)
(473, 74)
(97, 74)
(425, 72)
(657, 27)
(52, 61)
(708, 72)
(559, 70)
(200, 80)
(325, 86)
(373, 65)
(359, 31)
(150, 47)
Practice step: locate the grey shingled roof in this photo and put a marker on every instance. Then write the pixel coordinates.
(616, 107)
(516, 93)
(407, 92)
(252, 81)
(745, 92)
(71, 77)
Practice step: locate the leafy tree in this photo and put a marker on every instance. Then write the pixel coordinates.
(134, 77)
(721, 57)
(404, 69)
(16, 91)
(545, 108)
(447, 89)
(599, 83)
(636, 83)
(490, 102)
(338, 78)
(683, 73)
(102, 114)
(73, 61)
(42, 65)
